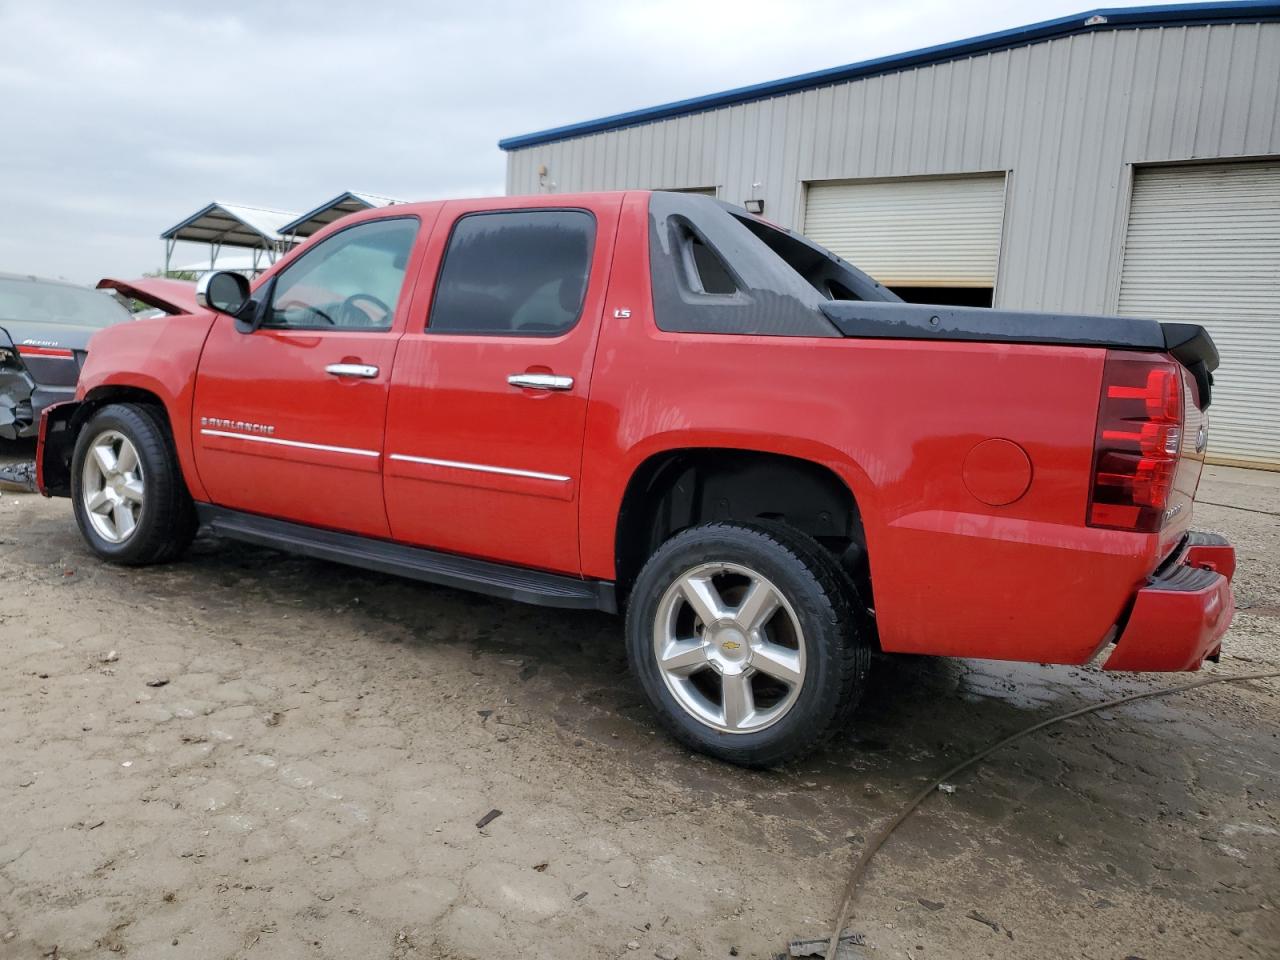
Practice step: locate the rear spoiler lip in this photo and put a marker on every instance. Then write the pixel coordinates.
(1188, 343)
(1191, 345)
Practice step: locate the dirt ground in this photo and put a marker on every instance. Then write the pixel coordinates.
(252, 755)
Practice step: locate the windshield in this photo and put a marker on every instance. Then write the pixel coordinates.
(42, 302)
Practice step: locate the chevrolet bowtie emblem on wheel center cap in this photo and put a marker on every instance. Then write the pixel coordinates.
(732, 643)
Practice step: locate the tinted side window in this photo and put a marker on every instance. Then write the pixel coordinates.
(351, 280)
(516, 272)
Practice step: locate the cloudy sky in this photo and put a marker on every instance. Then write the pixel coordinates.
(120, 119)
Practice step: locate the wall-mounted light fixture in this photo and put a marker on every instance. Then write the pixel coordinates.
(754, 206)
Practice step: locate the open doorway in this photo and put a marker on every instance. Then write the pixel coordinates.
(947, 296)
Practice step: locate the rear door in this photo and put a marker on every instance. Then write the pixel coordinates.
(489, 392)
(288, 419)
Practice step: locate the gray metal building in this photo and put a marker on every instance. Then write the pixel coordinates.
(1117, 161)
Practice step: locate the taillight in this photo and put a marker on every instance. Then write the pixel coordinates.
(1135, 450)
(53, 353)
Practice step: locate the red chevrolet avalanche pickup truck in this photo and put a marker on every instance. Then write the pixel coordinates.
(656, 403)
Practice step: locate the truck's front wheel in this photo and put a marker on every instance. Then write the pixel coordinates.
(748, 640)
(130, 500)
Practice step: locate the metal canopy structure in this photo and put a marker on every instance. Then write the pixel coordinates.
(340, 206)
(238, 262)
(232, 225)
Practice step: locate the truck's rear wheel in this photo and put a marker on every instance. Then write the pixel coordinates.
(748, 640)
(130, 501)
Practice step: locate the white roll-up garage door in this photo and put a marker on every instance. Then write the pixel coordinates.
(1203, 244)
(698, 191)
(918, 232)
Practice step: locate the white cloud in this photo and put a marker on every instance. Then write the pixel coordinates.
(118, 120)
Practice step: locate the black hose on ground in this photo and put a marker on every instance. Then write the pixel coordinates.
(877, 840)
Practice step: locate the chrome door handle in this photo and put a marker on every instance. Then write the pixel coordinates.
(540, 381)
(352, 370)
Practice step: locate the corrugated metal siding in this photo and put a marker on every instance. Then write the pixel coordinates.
(1065, 117)
(936, 231)
(1203, 244)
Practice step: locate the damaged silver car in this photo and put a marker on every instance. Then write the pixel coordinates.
(45, 326)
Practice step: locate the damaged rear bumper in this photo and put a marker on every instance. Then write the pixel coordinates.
(17, 419)
(1179, 617)
(23, 401)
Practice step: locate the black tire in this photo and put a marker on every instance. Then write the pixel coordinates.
(166, 521)
(836, 628)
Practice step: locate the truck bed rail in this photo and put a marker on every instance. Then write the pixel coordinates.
(1189, 343)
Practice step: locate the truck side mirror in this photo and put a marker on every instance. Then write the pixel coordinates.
(224, 291)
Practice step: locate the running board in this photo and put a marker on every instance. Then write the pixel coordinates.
(445, 569)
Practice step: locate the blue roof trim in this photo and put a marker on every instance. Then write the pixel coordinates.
(1126, 18)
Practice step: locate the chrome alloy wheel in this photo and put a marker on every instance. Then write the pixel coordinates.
(112, 487)
(729, 647)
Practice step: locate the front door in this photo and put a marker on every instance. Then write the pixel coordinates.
(288, 419)
(488, 402)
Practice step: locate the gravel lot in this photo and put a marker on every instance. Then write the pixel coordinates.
(251, 755)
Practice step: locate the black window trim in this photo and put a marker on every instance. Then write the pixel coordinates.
(543, 335)
(684, 233)
(270, 292)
